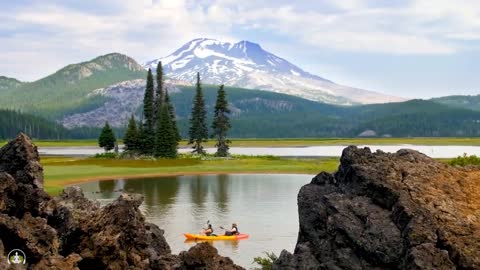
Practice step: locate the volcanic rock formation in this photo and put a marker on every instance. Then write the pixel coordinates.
(72, 232)
(388, 211)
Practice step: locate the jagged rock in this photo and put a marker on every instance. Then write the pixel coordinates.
(71, 232)
(58, 263)
(7, 190)
(204, 256)
(109, 234)
(20, 159)
(388, 211)
(3, 257)
(30, 234)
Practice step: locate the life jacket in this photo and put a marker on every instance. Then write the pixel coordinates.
(236, 230)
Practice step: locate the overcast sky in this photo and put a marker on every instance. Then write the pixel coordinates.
(410, 48)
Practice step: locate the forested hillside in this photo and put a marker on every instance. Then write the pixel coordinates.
(66, 91)
(12, 123)
(465, 102)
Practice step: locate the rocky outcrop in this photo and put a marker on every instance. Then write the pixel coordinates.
(388, 211)
(120, 101)
(71, 232)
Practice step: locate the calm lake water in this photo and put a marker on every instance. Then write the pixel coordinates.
(434, 151)
(263, 206)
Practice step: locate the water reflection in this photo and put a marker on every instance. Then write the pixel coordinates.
(221, 196)
(106, 188)
(263, 206)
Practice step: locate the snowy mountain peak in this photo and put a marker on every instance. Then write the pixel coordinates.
(220, 57)
(246, 64)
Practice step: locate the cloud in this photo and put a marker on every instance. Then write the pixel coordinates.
(68, 31)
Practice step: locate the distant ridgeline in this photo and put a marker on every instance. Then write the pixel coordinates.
(261, 114)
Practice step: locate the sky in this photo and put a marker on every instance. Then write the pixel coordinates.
(408, 48)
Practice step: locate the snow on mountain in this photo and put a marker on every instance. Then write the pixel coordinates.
(246, 64)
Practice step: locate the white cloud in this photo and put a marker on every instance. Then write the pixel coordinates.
(151, 28)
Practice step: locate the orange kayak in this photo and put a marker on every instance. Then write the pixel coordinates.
(218, 237)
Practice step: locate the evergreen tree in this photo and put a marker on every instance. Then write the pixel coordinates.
(165, 140)
(221, 123)
(131, 139)
(159, 94)
(198, 132)
(148, 113)
(107, 139)
(171, 110)
(141, 138)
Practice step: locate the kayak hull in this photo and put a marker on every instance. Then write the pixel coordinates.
(218, 237)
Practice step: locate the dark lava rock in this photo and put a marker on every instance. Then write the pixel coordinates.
(72, 232)
(388, 211)
(20, 159)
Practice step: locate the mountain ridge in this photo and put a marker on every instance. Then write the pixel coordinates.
(8, 82)
(66, 90)
(471, 102)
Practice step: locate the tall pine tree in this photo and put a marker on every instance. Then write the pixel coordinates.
(165, 140)
(221, 123)
(107, 139)
(159, 94)
(148, 113)
(198, 131)
(131, 139)
(171, 110)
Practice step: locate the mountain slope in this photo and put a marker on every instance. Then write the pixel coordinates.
(8, 83)
(465, 102)
(247, 65)
(264, 114)
(66, 90)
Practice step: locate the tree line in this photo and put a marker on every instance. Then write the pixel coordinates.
(157, 133)
(13, 122)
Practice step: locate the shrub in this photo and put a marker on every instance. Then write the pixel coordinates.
(465, 160)
(266, 263)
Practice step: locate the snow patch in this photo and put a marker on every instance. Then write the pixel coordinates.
(294, 72)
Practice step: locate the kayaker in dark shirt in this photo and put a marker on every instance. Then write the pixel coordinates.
(208, 231)
(233, 231)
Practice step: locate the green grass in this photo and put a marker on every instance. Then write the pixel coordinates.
(293, 142)
(62, 171)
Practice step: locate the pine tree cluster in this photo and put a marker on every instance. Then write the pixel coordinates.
(198, 132)
(157, 135)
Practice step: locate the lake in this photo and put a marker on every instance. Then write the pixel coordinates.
(434, 151)
(263, 205)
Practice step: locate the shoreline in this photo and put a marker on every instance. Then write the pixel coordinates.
(154, 175)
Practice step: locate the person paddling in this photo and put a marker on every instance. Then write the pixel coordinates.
(233, 230)
(208, 231)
